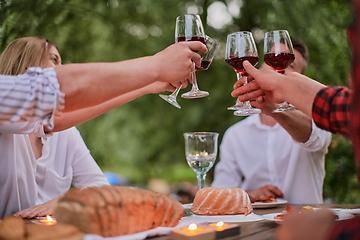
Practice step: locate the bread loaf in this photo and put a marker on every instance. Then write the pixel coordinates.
(14, 228)
(221, 201)
(111, 211)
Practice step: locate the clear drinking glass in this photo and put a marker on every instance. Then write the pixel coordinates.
(279, 54)
(201, 151)
(240, 46)
(187, 28)
(206, 60)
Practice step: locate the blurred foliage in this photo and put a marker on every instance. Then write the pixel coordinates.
(143, 139)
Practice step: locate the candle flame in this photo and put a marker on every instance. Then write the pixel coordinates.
(192, 226)
(220, 224)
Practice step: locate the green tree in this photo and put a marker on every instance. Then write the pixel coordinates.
(143, 139)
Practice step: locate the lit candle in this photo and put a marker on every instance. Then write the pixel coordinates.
(48, 221)
(193, 232)
(224, 230)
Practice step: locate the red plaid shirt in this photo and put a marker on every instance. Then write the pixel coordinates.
(331, 109)
(347, 229)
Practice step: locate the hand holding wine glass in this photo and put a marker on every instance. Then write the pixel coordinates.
(240, 46)
(206, 60)
(188, 28)
(201, 151)
(279, 54)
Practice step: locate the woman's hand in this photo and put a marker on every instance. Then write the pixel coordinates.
(40, 210)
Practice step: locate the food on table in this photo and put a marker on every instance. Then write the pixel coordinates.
(264, 199)
(307, 208)
(15, 228)
(221, 201)
(114, 211)
(289, 209)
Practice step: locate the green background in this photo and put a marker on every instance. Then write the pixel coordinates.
(143, 139)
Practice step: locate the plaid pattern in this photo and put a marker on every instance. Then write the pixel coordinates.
(346, 230)
(331, 109)
(350, 229)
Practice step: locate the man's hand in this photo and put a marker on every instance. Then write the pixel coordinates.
(265, 191)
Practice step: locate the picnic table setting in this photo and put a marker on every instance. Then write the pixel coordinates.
(120, 213)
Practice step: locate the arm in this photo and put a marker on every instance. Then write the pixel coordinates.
(86, 172)
(292, 87)
(73, 118)
(226, 173)
(93, 83)
(296, 123)
(36, 96)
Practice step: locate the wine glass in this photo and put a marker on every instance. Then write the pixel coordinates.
(279, 54)
(206, 60)
(200, 151)
(187, 28)
(240, 46)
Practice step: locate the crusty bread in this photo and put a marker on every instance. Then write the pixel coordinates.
(14, 228)
(221, 201)
(114, 211)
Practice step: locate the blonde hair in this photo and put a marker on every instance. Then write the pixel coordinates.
(23, 53)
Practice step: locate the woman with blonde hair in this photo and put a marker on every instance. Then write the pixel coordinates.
(40, 166)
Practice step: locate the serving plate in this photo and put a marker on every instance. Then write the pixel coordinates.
(279, 201)
(341, 216)
(252, 217)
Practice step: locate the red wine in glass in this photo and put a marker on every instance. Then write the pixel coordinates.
(237, 63)
(279, 54)
(279, 61)
(190, 38)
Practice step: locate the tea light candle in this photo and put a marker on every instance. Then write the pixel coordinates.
(193, 232)
(224, 230)
(48, 221)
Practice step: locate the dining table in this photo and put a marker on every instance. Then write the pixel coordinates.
(266, 229)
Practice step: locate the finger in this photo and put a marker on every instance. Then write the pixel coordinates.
(173, 86)
(184, 84)
(250, 69)
(197, 46)
(196, 58)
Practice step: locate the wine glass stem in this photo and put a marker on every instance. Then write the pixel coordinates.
(201, 180)
(244, 79)
(194, 82)
(176, 92)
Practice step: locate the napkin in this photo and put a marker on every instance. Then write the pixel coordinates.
(159, 231)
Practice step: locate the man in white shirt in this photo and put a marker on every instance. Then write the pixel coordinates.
(70, 87)
(275, 154)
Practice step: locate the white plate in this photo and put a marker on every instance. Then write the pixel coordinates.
(252, 217)
(278, 202)
(341, 216)
(355, 211)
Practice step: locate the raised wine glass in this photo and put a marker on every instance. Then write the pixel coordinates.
(206, 60)
(240, 46)
(187, 28)
(201, 151)
(279, 54)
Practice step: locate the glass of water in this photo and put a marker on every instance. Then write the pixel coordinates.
(201, 151)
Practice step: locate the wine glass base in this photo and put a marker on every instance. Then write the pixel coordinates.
(247, 112)
(285, 109)
(195, 94)
(170, 99)
(238, 105)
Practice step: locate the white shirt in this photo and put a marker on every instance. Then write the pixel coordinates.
(26, 181)
(35, 96)
(253, 154)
